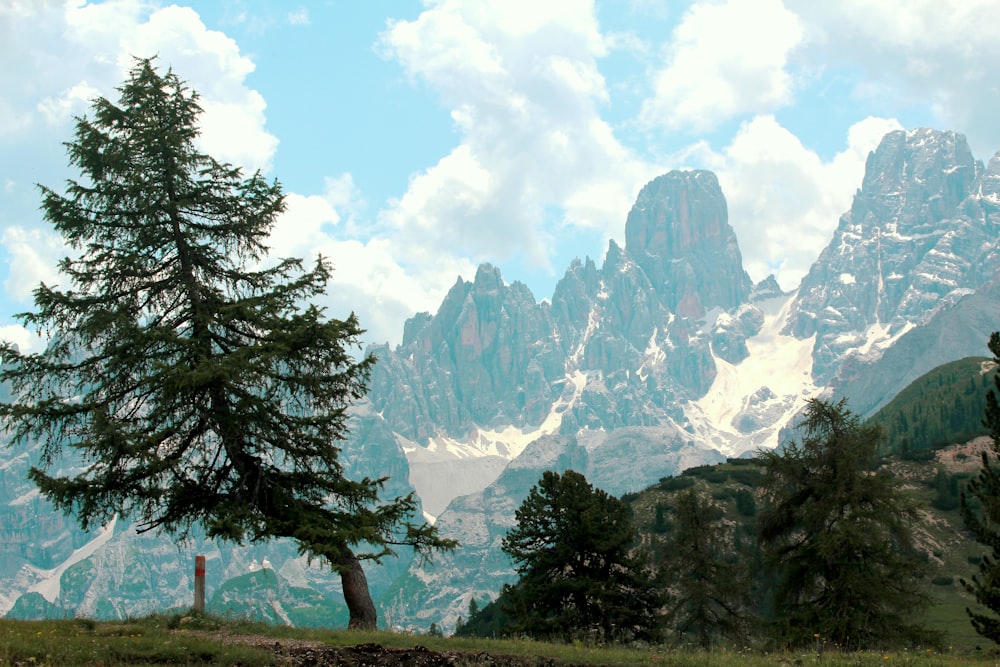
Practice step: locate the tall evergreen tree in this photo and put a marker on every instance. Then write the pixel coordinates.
(707, 591)
(572, 546)
(980, 505)
(839, 537)
(192, 385)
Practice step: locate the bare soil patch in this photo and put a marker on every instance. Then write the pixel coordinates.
(966, 457)
(305, 653)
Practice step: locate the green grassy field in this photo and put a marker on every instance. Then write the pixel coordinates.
(149, 641)
(176, 640)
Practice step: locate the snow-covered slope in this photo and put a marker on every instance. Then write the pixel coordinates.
(752, 400)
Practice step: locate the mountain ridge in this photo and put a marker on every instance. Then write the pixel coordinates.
(663, 357)
(914, 254)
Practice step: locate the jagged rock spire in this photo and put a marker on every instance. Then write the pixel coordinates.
(678, 231)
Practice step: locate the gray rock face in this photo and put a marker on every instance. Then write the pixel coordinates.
(678, 232)
(487, 357)
(492, 357)
(921, 233)
(953, 333)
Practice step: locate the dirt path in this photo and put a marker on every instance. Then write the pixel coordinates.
(304, 653)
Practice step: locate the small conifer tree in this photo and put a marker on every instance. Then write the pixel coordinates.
(708, 591)
(572, 546)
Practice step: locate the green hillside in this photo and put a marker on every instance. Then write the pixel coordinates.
(265, 596)
(939, 408)
(948, 549)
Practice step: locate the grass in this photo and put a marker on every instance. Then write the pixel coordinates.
(947, 614)
(147, 641)
(180, 640)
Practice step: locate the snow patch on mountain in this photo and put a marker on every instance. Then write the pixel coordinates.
(448, 467)
(749, 402)
(25, 498)
(878, 338)
(49, 586)
(653, 356)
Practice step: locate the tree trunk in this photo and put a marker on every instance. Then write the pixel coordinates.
(355, 584)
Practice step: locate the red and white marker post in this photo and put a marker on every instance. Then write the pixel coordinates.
(199, 584)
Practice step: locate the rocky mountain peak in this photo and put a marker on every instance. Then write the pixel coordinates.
(678, 232)
(768, 288)
(915, 239)
(488, 279)
(924, 173)
(991, 178)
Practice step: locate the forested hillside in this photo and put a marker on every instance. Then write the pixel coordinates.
(942, 407)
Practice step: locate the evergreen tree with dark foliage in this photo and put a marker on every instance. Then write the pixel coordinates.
(838, 535)
(572, 546)
(490, 620)
(194, 384)
(980, 505)
(707, 591)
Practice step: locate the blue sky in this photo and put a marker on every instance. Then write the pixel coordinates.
(416, 140)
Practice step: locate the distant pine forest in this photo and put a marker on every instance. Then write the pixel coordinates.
(942, 407)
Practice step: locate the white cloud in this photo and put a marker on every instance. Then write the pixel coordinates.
(299, 17)
(535, 159)
(369, 280)
(345, 196)
(58, 56)
(784, 200)
(73, 101)
(309, 220)
(724, 59)
(211, 62)
(923, 53)
(34, 254)
(234, 132)
(522, 83)
(375, 277)
(298, 231)
(62, 55)
(26, 341)
(30, 33)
